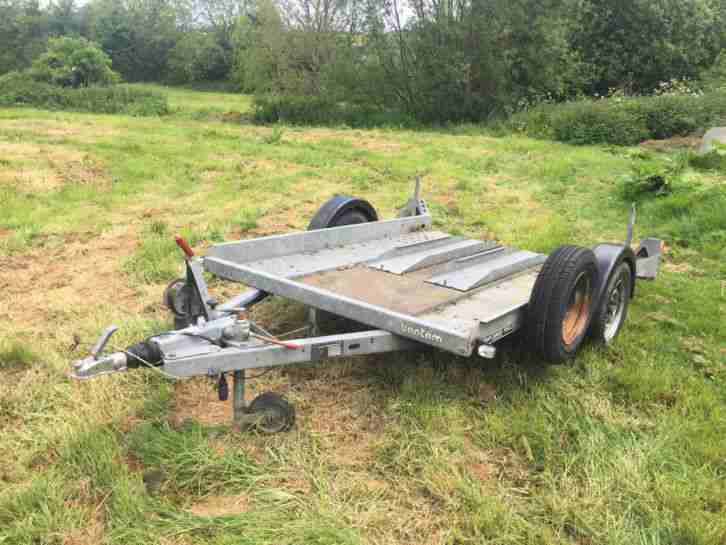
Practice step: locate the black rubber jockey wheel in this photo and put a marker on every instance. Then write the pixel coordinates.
(275, 413)
(343, 210)
(183, 302)
(174, 297)
(613, 307)
(561, 305)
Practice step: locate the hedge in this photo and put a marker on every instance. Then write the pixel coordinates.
(310, 110)
(19, 89)
(623, 120)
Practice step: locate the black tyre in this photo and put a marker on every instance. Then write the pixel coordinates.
(181, 299)
(561, 305)
(338, 211)
(612, 309)
(175, 297)
(275, 413)
(343, 210)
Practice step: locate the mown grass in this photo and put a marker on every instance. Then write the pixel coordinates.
(623, 446)
(192, 104)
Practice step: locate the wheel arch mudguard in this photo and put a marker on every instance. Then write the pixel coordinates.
(338, 205)
(608, 257)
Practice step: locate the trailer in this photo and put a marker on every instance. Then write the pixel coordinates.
(404, 284)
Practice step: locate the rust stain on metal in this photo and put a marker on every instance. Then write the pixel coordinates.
(400, 293)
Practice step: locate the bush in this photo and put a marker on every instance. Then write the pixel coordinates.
(300, 110)
(598, 122)
(653, 177)
(74, 62)
(623, 120)
(21, 89)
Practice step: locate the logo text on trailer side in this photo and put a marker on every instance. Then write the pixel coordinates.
(421, 332)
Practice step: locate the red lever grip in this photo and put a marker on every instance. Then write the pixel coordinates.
(184, 245)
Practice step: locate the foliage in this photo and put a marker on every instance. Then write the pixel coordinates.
(598, 121)
(437, 62)
(21, 89)
(468, 63)
(19, 42)
(714, 78)
(197, 57)
(298, 110)
(636, 44)
(653, 178)
(623, 120)
(73, 62)
(480, 59)
(137, 35)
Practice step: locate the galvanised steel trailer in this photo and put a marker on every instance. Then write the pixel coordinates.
(404, 283)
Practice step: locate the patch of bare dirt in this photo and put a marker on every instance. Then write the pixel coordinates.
(312, 135)
(91, 534)
(83, 132)
(220, 506)
(682, 268)
(379, 145)
(339, 410)
(344, 416)
(233, 117)
(45, 285)
(196, 399)
(36, 168)
(674, 143)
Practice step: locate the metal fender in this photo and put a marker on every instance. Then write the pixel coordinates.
(608, 256)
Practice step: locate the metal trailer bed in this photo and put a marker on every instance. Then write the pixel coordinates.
(410, 284)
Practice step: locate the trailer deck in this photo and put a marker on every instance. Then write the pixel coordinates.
(399, 275)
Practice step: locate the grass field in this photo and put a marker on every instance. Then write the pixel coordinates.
(625, 446)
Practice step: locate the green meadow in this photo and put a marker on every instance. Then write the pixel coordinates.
(623, 446)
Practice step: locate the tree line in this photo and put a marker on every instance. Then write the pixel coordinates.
(436, 60)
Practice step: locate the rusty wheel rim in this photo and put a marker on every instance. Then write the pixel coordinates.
(578, 311)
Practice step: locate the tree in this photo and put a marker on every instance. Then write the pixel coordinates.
(137, 34)
(73, 62)
(261, 51)
(198, 57)
(23, 32)
(636, 44)
(465, 60)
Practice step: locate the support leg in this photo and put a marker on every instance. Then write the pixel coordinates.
(239, 396)
(313, 322)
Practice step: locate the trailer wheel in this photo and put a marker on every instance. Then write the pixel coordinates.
(342, 210)
(613, 307)
(274, 413)
(561, 305)
(338, 211)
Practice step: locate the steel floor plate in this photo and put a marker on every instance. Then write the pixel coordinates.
(400, 293)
